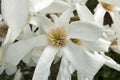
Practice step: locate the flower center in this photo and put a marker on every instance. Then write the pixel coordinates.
(76, 41)
(57, 37)
(3, 30)
(107, 6)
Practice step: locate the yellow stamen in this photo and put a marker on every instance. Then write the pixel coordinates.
(57, 37)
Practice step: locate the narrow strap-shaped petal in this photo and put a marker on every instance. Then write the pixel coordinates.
(89, 31)
(81, 76)
(85, 62)
(15, 13)
(64, 18)
(116, 19)
(84, 13)
(18, 75)
(110, 62)
(42, 21)
(36, 53)
(10, 69)
(115, 48)
(99, 45)
(18, 50)
(99, 14)
(64, 72)
(42, 69)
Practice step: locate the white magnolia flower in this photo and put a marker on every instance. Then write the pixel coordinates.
(60, 38)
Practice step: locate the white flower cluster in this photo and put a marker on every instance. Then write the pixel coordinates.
(41, 32)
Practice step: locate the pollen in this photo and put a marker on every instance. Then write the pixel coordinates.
(57, 37)
(3, 30)
(108, 7)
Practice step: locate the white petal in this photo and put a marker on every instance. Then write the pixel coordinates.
(81, 76)
(64, 72)
(39, 5)
(26, 59)
(56, 7)
(86, 63)
(15, 13)
(64, 18)
(54, 17)
(84, 13)
(116, 19)
(11, 36)
(99, 14)
(27, 33)
(11, 69)
(36, 53)
(89, 31)
(43, 66)
(19, 49)
(31, 63)
(100, 45)
(116, 48)
(42, 21)
(111, 63)
(18, 75)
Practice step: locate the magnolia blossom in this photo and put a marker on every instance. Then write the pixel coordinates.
(73, 41)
